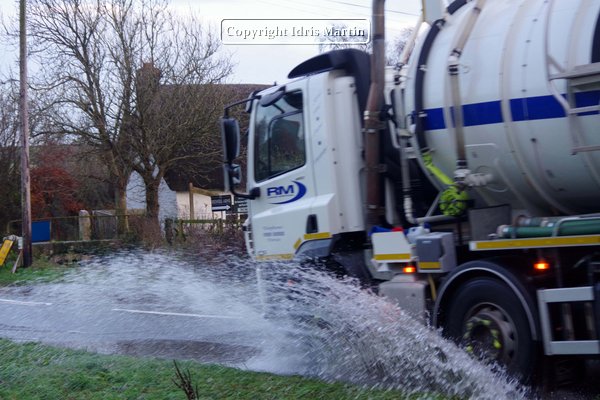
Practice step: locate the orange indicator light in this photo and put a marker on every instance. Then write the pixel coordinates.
(409, 269)
(541, 266)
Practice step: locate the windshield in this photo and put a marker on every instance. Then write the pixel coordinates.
(279, 137)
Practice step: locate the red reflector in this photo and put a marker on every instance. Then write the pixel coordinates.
(541, 266)
(409, 269)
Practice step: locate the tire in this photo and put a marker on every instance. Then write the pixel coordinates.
(487, 319)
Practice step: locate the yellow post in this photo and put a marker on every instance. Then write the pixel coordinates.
(6, 246)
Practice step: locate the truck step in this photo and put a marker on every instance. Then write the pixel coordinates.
(552, 324)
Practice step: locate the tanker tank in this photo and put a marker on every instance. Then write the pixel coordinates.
(529, 83)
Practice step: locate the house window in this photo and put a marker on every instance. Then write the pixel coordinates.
(279, 144)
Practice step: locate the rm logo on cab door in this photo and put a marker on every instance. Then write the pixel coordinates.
(286, 194)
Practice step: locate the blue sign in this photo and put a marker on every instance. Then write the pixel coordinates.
(40, 231)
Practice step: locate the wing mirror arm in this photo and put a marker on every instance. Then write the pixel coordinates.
(233, 172)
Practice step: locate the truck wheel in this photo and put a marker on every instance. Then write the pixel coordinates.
(488, 321)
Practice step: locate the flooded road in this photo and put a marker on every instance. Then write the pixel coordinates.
(141, 303)
(182, 306)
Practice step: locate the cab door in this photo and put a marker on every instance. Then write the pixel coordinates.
(278, 165)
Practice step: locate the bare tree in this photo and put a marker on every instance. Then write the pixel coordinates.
(10, 196)
(83, 72)
(90, 52)
(178, 101)
(335, 38)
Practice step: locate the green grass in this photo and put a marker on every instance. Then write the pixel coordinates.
(41, 270)
(33, 371)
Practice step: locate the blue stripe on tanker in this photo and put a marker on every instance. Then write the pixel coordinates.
(523, 109)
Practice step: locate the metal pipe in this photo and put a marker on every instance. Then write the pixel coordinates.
(578, 222)
(372, 122)
(524, 221)
(410, 43)
(453, 71)
(570, 227)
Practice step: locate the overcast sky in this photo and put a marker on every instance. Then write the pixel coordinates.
(269, 63)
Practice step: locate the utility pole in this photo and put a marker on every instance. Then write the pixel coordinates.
(24, 122)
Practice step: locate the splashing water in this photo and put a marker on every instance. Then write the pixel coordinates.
(297, 320)
(353, 335)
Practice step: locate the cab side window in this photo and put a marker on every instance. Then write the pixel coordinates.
(279, 141)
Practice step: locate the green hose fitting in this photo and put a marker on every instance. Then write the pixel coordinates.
(453, 201)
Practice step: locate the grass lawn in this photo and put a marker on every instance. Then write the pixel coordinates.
(41, 270)
(33, 371)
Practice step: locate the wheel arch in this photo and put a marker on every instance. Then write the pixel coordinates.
(503, 269)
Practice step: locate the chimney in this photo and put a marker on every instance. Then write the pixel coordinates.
(147, 84)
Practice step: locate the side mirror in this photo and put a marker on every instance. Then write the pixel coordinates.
(230, 137)
(230, 134)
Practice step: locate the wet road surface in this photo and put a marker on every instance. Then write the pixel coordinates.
(139, 306)
(149, 304)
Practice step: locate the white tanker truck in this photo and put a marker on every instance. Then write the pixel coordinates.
(464, 184)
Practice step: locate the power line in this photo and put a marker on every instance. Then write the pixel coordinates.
(367, 7)
(321, 7)
(389, 27)
(320, 14)
(398, 19)
(289, 6)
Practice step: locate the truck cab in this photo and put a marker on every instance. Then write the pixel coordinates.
(305, 160)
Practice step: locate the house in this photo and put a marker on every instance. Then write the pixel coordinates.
(186, 188)
(174, 199)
